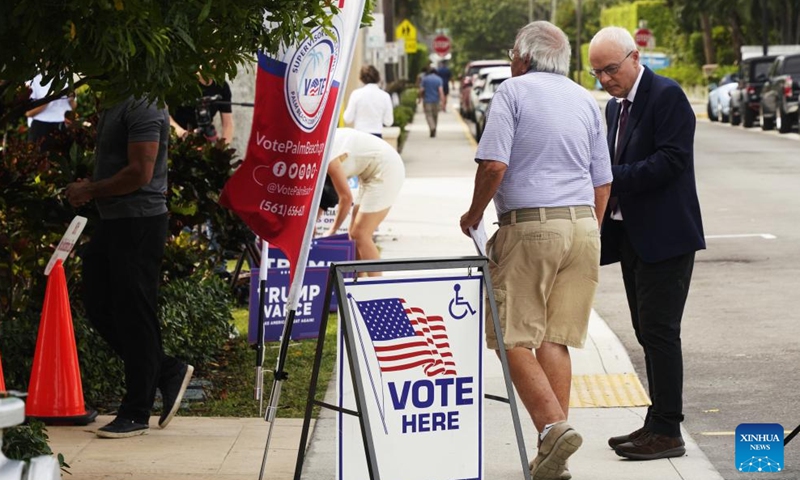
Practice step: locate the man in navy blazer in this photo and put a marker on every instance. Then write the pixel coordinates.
(652, 226)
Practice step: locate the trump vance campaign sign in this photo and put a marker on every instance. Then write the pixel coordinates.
(419, 354)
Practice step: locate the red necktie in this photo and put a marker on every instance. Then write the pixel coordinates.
(623, 122)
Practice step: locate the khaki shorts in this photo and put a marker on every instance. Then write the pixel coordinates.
(544, 275)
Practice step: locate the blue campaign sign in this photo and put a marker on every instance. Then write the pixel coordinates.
(655, 61)
(323, 252)
(309, 308)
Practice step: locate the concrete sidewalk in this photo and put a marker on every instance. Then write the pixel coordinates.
(608, 398)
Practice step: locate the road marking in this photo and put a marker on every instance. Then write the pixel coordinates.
(467, 130)
(766, 236)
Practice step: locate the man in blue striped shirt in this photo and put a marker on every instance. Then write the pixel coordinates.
(543, 158)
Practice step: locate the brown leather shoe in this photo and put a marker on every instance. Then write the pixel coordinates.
(650, 446)
(614, 442)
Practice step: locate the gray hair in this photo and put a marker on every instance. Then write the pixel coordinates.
(546, 46)
(617, 36)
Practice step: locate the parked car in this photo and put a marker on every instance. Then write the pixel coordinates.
(478, 85)
(779, 97)
(493, 80)
(746, 98)
(719, 98)
(467, 78)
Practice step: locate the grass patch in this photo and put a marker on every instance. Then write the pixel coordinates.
(233, 376)
(241, 320)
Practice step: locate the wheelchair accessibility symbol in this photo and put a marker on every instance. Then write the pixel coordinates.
(458, 304)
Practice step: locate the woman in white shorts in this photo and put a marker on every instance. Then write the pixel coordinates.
(380, 173)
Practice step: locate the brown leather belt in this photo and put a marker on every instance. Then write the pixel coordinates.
(546, 213)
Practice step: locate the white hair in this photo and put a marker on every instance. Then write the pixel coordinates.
(546, 46)
(617, 36)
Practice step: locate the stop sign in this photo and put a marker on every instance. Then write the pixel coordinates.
(441, 44)
(643, 37)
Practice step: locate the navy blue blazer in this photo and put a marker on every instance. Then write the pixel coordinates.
(654, 181)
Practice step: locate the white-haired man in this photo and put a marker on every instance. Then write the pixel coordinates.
(654, 226)
(544, 160)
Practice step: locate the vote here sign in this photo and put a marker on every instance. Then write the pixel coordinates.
(418, 348)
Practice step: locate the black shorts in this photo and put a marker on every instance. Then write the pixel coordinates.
(329, 197)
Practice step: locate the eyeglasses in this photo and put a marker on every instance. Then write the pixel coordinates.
(610, 70)
(511, 53)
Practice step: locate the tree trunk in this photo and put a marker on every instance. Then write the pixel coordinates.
(736, 35)
(785, 22)
(388, 19)
(797, 30)
(708, 41)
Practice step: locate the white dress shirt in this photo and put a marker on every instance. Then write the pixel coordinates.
(55, 110)
(617, 213)
(369, 109)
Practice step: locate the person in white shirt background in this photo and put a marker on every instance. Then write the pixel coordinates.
(45, 120)
(369, 108)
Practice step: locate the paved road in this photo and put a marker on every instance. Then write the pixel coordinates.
(741, 345)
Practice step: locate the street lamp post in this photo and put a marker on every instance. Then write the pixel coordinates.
(764, 32)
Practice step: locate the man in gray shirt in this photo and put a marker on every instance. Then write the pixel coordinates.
(544, 161)
(122, 263)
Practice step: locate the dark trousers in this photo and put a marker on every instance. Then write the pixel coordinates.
(656, 296)
(47, 134)
(121, 272)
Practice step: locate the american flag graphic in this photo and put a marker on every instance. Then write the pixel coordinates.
(405, 338)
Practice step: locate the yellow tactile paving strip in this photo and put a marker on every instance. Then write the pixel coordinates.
(607, 390)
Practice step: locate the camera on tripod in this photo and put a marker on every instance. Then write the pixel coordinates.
(204, 117)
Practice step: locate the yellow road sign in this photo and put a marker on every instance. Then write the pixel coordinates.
(408, 32)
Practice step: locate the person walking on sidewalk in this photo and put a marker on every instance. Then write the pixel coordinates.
(369, 108)
(122, 263)
(431, 93)
(653, 226)
(544, 160)
(445, 74)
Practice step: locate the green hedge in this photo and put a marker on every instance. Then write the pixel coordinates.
(660, 20)
(196, 317)
(624, 16)
(685, 74)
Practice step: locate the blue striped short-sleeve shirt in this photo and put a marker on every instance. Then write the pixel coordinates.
(548, 130)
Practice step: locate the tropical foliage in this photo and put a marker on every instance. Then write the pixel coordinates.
(141, 47)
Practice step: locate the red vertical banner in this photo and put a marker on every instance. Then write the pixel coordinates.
(297, 95)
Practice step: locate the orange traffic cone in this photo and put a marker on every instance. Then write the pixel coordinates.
(2, 380)
(55, 393)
